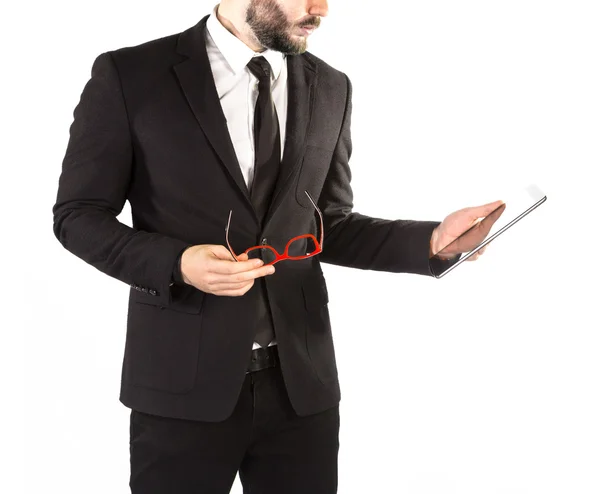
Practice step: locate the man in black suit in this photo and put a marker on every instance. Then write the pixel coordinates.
(227, 136)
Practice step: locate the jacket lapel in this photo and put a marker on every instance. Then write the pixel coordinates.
(301, 79)
(197, 82)
(196, 79)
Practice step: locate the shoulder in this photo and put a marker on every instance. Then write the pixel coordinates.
(329, 77)
(324, 69)
(143, 65)
(149, 55)
(332, 83)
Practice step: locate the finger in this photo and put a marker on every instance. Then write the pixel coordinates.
(242, 276)
(477, 254)
(221, 263)
(232, 293)
(232, 290)
(220, 286)
(220, 266)
(222, 252)
(481, 211)
(473, 257)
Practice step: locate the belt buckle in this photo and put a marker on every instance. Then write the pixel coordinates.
(271, 358)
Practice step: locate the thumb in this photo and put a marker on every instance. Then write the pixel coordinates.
(481, 211)
(222, 252)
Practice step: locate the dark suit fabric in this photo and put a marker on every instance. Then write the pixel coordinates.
(149, 129)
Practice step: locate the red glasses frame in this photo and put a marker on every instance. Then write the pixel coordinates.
(285, 255)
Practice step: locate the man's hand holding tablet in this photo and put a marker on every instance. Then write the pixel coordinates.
(469, 230)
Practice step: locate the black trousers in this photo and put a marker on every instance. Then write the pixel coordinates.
(274, 450)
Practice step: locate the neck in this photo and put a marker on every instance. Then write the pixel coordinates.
(233, 19)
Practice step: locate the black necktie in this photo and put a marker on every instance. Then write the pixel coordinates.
(266, 168)
(267, 149)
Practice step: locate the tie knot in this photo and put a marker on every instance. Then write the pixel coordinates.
(260, 68)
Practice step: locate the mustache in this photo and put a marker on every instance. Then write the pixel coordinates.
(313, 21)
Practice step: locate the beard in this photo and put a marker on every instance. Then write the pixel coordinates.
(272, 29)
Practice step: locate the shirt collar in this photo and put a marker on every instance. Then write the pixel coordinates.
(235, 51)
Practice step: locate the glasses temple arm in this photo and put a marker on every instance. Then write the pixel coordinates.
(320, 217)
(227, 237)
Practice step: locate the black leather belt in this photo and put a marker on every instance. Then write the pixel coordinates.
(263, 358)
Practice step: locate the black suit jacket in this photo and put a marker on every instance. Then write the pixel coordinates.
(149, 128)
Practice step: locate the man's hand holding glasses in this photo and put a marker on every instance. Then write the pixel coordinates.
(210, 269)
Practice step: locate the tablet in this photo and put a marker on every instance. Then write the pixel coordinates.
(515, 207)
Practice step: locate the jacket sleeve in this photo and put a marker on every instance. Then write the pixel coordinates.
(93, 187)
(358, 241)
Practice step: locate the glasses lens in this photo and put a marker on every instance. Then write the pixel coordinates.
(267, 255)
(302, 247)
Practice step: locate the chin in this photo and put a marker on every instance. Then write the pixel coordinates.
(289, 44)
(297, 45)
(300, 50)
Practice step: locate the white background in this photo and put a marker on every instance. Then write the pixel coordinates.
(483, 382)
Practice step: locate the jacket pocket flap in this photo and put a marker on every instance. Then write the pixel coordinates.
(315, 293)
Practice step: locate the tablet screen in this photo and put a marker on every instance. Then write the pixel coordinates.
(516, 206)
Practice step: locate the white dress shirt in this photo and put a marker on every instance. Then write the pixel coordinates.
(237, 88)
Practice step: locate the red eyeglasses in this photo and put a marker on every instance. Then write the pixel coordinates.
(315, 248)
